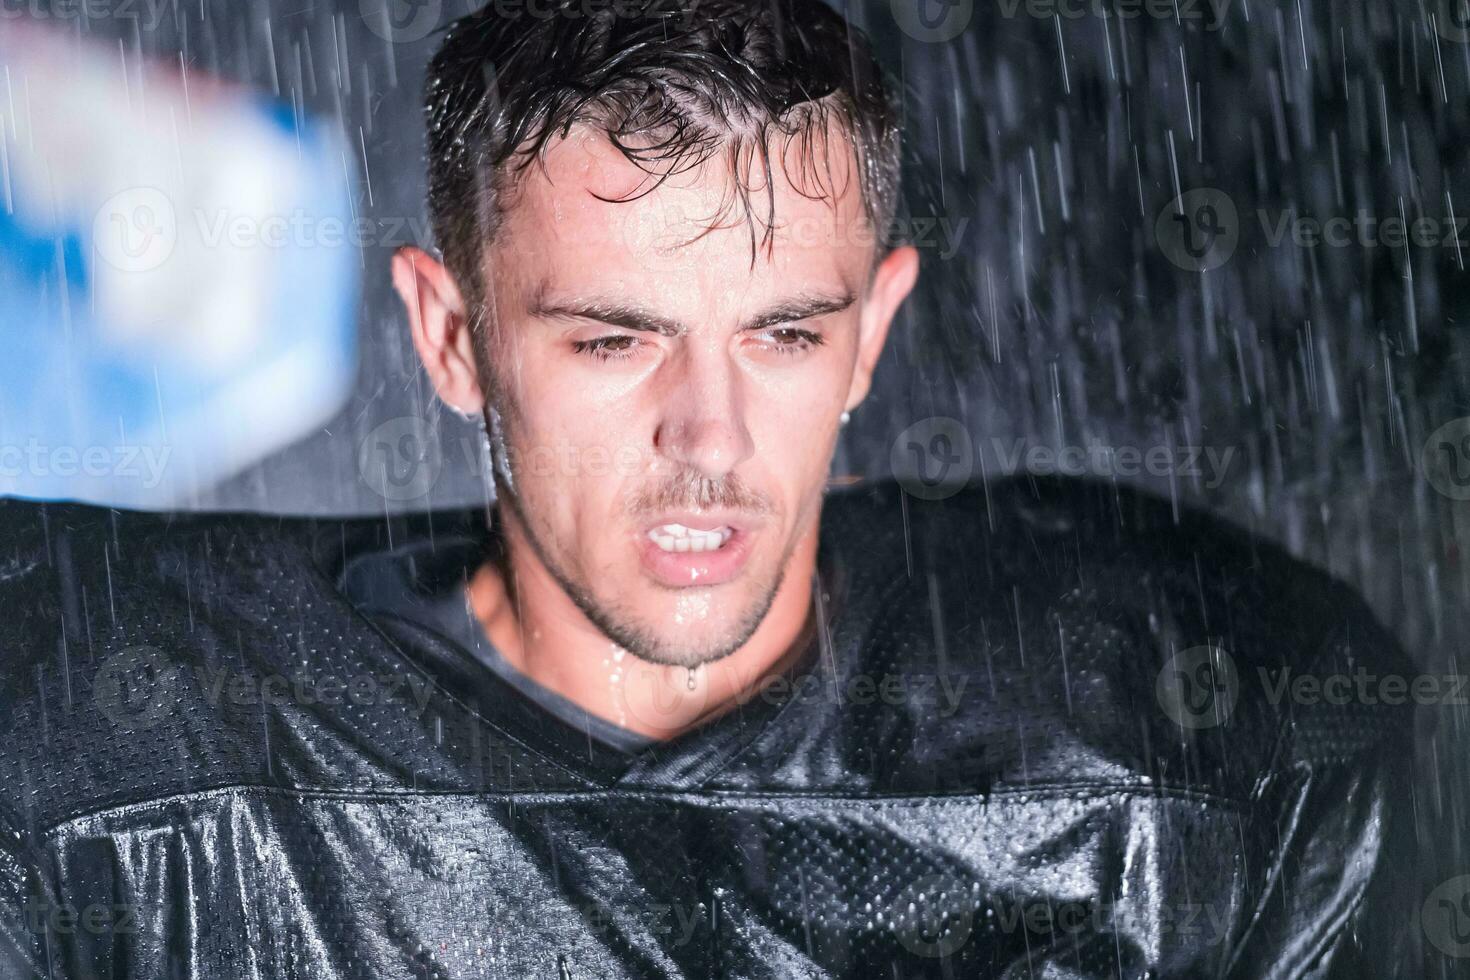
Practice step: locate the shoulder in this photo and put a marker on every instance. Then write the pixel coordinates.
(1117, 545)
(1087, 630)
(110, 610)
(77, 573)
(50, 545)
(148, 655)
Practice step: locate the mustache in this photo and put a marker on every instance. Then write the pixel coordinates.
(690, 489)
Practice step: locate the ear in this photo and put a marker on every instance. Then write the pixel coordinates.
(893, 280)
(440, 328)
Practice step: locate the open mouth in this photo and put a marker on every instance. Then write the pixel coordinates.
(684, 550)
(680, 537)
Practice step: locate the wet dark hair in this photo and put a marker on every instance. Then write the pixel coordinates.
(670, 82)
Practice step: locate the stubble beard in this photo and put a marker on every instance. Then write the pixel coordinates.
(621, 626)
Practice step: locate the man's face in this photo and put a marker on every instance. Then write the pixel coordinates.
(669, 410)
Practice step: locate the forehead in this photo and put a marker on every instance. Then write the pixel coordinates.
(589, 220)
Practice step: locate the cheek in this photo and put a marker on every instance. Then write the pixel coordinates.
(794, 428)
(558, 411)
(575, 454)
(800, 401)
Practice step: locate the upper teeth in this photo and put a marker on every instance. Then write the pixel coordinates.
(677, 537)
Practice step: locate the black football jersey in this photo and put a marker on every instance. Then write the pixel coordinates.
(1040, 730)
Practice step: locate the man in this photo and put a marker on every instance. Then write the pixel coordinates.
(670, 709)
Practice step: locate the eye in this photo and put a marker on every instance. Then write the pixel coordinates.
(618, 347)
(792, 340)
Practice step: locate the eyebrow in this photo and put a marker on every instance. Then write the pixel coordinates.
(630, 317)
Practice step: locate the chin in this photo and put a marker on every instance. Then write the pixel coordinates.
(658, 638)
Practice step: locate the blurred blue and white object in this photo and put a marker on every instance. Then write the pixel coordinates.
(178, 275)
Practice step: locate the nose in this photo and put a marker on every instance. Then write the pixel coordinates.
(702, 425)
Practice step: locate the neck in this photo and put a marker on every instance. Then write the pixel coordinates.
(541, 632)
